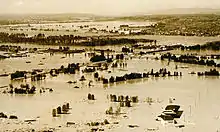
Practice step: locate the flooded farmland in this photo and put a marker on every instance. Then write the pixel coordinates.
(198, 96)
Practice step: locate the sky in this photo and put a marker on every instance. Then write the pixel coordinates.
(99, 7)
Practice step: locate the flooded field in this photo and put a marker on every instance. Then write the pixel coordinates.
(101, 28)
(198, 96)
(76, 28)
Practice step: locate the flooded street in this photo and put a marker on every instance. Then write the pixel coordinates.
(197, 96)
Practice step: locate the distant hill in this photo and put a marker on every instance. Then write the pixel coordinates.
(186, 11)
(61, 16)
(7, 19)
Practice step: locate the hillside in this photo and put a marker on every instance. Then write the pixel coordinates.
(174, 11)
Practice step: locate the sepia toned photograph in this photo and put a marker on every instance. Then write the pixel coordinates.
(109, 66)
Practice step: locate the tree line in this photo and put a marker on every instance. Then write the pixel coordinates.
(67, 39)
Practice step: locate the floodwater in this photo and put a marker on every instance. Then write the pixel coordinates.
(197, 96)
(76, 28)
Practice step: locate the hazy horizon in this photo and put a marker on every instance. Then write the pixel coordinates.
(99, 7)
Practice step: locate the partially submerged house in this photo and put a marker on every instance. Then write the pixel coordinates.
(171, 112)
